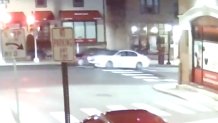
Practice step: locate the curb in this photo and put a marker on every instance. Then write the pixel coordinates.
(169, 93)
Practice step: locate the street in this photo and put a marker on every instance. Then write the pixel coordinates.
(92, 91)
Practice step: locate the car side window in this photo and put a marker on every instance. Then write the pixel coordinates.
(131, 54)
(122, 54)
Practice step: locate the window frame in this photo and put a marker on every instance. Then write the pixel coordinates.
(41, 5)
(78, 3)
(147, 8)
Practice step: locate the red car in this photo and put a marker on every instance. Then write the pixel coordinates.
(125, 116)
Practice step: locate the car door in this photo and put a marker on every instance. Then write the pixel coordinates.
(132, 59)
(119, 60)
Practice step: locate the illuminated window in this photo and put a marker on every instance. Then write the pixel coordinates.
(83, 30)
(150, 6)
(41, 3)
(78, 3)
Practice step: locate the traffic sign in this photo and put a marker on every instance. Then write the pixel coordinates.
(13, 41)
(63, 44)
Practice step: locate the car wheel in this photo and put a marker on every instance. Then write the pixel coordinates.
(139, 66)
(109, 64)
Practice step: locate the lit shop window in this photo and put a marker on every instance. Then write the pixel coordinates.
(90, 30)
(79, 30)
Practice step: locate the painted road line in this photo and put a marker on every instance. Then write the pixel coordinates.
(145, 77)
(140, 74)
(116, 107)
(126, 72)
(174, 107)
(193, 105)
(152, 80)
(212, 120)
(91, 111)
(60, 117)
(118, 70)
(151, 109)
(169, 80)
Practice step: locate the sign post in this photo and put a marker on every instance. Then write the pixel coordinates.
(13, 44)
(13, 41)
(63, 50)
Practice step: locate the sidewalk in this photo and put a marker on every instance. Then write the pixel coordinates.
(173, 63)
(190, 93)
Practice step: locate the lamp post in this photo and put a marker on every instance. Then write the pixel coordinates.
(168, 29)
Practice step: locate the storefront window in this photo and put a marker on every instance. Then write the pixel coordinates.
(79, 30)
(83, 31)
(90, 30)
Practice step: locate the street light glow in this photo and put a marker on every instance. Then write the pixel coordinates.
(30, 19)
(134, 29)
(154, 29)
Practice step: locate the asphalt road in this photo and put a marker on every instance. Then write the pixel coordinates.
(92, 91)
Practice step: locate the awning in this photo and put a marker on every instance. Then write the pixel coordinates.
(18, 17)
(76, 15)
(44, 15)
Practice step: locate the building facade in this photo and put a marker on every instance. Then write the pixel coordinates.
(84, 16)
(150, 24)
(199, 42)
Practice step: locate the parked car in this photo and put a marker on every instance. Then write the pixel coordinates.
(82, 57)
(125, 116)
(120, 59)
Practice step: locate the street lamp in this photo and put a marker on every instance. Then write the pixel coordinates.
(168, 29)
(31, 22)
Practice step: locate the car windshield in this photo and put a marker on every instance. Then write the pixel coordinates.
(112, 61)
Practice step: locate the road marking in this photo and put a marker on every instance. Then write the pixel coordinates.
(169, 80)
(140, 74)
(193, 105)
(116, 107)
(152, 80)
(118, 70)
(151, 109)
(212, 120)
(126, 72)
(60, 117)
(174, 107)
(145, 77)
(91, 111)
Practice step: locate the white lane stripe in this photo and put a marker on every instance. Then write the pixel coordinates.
(145, 77)
(118, 70)
(174, 107)
(126, 72)
(132, 74)
(152, 80)
(91, 111)
(212, 120)
(193, 105)
(151, 109)
(60, 117)
(169, 80)
(150, 70)
(116, 107)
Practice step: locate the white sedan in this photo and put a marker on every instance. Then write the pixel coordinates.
(120, 59)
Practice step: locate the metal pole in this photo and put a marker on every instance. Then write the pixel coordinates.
(64, 69)
(16, 90)
(169, 39)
